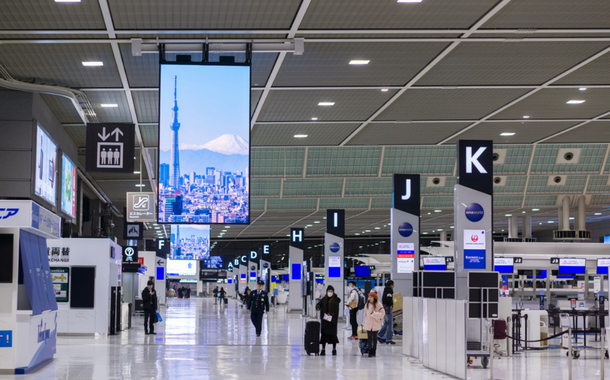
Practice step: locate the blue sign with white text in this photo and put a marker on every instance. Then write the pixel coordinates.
(474, 259)
(6, 338)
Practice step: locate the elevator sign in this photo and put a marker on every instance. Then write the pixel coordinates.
(110, 147)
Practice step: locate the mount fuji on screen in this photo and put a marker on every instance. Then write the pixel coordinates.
(204, 153)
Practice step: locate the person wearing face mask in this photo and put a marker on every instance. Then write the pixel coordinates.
(373, 315)
(329, 316)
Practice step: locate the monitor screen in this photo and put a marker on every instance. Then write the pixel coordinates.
(204, 149)
(213, 262)
(504, 265)
(285, 277)
(572, 266)
(68, 186)
(46, 166)
(190, 242)
(181, 267)
(229, 280)
(607, 239)
(602, 266)
(362, 271)
(435, 263)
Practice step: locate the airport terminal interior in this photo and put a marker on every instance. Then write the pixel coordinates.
(328, 189)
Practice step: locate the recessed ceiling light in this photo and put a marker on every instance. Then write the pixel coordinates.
(92, 63)
(109, 105)
(526, 116)
(384, 90)
(367, 230)
(357, 234)
(582, 89)
(326, 104)
(157, 228)
(575, 101)
(523, 212)
(310, 225)
(136, 172)
(227, 226)
(508, 215)
(359, 62)
(571, 218)
(409, 1)
(535, 209)
(598, 213)
(425, 233)
(451, 227)
(317, 221)
(300, 136)
(314, 118)
(440, 229)
(507, 134)
(438, 210)
(140, 185)
(224, 231)
(550, 221)
(377, 228)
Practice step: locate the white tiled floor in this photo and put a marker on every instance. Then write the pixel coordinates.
(198, 340)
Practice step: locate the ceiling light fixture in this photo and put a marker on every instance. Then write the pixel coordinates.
(574, 101)
(438, 210)
(92, 63)
(136, 172)
(507, 134)
(385, 90)
(582, 89)
(140, 185)
(109, 105)
(300, 136)
(425, 233)
(550, 221)
(359, 62)
(314, 118)
(326, 104)
(598, 213)
(508, 215)
(409, 1)
(535, 209)
(526, 117)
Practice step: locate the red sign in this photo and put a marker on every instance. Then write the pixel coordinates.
(474, 238)
(141, 260)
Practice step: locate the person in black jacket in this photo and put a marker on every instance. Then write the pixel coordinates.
(149, 298)
(258, 305)
(386, 332)
(329, 317)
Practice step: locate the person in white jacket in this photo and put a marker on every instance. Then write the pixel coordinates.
(352, 305)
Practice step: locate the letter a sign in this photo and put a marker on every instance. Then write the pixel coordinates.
(110, 147)
(475, 164)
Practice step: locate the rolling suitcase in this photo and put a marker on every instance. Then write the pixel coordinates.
(312, 337)
(226, 301)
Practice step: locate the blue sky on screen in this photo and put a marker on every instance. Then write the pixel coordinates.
(212, 101)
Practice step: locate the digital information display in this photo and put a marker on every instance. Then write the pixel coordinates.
(435, 263)
(214, 262)
(504, 265)
(190, 242)
(181, 267)
(334, 266)
(602, 266)
(204, 149)
(572, 266)
(46, 166)
(474, 249)
(68, 186)
(405, 260)
(362, 271)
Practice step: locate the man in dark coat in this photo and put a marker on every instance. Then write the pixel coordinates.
(329, 317)
(386, 332)
(258, 305)
(149, 300)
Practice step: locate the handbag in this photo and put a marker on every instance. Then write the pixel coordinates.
(362, 334)
(159, 319)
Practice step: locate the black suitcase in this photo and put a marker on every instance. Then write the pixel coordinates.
(226, 301)
(312, 337)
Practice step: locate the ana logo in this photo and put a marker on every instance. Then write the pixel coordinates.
(474, 238)
(405, 229)
(334, 247)
(474, 212)
(9, 212)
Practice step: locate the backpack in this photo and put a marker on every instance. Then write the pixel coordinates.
(361, 300)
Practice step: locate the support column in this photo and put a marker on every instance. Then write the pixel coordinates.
(527, 226)
(513, 228)
(443, 236)
(580, 214)
(405, 231)
(295, 263)
(565, 213)
(334, 257)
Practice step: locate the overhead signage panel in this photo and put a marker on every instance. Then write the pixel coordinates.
(141, 207)
(297, 238)
(475, 165)
(110, 147)
(335, 222)
(406, 195)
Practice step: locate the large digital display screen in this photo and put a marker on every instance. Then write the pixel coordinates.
(435, 263)
(190, 242)
(204, 148)
(46, 166)
(572, 266)
(181, 267)
(214, 262)
(362, 271)
(68, 186)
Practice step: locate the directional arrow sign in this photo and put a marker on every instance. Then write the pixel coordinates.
(105, 154)
(159, 262)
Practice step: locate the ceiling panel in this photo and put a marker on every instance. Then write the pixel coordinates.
(312, 187)
(596, 72)
(405, 133)
(574, 183)
(302, 105)
(343, 161)
(525, 132)
(593, 132)
(501, 201)
(317, 134)
(61, 64)
(514, 184)
(516, 161)
(500, 63)
(376, 34)
(255, 96)
(598, 184)
(368, 186)
(419, 159)
(286, 162)
(363, 14)
(191, 14)
(119, 114)
(78, 133)
(150, 135)
(590, 161)
(44, 14)
(542, 14)
(327, 64)
(194, 34)
(147, 106)
(51, 36)
(63, 108)
(550, 103)
(449, 104)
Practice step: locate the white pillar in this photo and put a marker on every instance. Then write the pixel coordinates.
(513, 230)
(580, 213)
(565, 213)
(443, 236)
(527, 226)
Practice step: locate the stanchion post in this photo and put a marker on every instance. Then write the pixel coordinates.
(491, 350)
(569, 353)
(603, 352)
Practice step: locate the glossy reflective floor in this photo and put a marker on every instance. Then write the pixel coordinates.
(198, 340)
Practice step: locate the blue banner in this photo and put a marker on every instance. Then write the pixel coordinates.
(474, 259)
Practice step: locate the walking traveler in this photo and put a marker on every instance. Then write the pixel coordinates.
(258, 305)
(329, 316)
(149, 303)
(387, 331)
(215, 292)
(373, 315)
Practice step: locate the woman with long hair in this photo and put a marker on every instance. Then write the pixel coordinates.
(373, 315)
(329, 316)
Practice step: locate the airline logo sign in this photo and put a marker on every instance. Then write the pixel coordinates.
(434, 261)
(334, 247)
(474, 212)
(405, 257)
(474, 249)
(475, 165)
(406, 193)
(573, 262)
(405, 229)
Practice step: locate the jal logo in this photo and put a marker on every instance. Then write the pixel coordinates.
(474, 238)
(405, 229)
(6, 213)
(474, 212)
(334, 247)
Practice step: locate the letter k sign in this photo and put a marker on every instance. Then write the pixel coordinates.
(474, 160)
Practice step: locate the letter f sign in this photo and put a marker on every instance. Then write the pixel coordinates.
(474, 160)
(407, 192)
